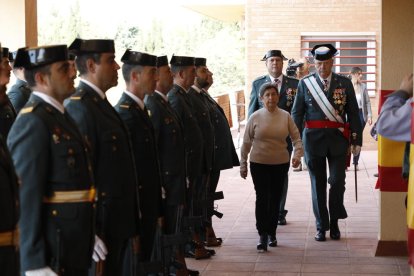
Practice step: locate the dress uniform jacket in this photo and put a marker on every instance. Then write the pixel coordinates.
(146, 155)
(287, 93)
(51, 157)
(170, 141)
(201, 111)
(19, 94)
(114, 171)
(193, 137)
(323, 142)
(7, 117)
(9, 211)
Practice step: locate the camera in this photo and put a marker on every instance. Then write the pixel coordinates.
(292, 66)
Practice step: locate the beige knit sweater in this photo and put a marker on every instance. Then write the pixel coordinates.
(265, 138)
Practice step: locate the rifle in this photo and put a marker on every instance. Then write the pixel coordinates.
(100, 265)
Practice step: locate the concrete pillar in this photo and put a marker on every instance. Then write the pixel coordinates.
(396, 61)
(18, 23)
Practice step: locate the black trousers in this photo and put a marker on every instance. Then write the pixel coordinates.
(268, 182)
(9, 261)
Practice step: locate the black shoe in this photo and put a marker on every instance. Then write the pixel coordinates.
(262, 245)
(282, 218)
(334, 232)
(272, 241)
(320, 236)
(192, 272)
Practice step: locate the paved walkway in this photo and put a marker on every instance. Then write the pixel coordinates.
(297, 252)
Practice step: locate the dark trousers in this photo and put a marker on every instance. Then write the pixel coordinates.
(317, 172)
(214, 179)
(268, 183)
(282, 210)
(9, 261)
(114, 262)
(363, 123)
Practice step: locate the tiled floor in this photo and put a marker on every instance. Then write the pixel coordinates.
(297, 252)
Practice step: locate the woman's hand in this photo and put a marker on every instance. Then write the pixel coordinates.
(243, 173)
(295, 162)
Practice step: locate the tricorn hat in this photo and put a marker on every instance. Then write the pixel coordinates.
(88, 46)
(5, 52)
(324, 51)
(138, 58)
(30, 58)
(200, 61)
(182, 61)
(162, 61)
(274, 53)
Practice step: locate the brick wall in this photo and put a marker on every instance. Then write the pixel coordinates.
(278, 24)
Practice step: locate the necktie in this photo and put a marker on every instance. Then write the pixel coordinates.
(277, 81)
(325, 85)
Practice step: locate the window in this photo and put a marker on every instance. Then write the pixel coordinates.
(355, 49)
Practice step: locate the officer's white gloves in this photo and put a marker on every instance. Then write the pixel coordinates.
(45, 271)
(355, 149)
(99, 250)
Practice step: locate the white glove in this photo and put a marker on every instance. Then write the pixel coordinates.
(99, 250)
(355, 149)
(44, 271)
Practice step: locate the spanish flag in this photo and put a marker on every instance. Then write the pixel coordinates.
(410, 199)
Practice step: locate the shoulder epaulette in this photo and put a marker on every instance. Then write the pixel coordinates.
(30, 106)
(260, 78)
(126, 106)
(78, 95)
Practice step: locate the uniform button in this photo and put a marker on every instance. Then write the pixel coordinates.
(146, 139)
(54, 212)
(113, 137)
(167, 173)
(114, 148)
(103, 194)
(216, 147)
(173, 131)
(140, 187)
(70, 151)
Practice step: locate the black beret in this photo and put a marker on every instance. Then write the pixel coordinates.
(30, 58)
(138, 58)
(162, 61)
(182, 61)
(200, 62)
(274, 53)
(91, 46)
(324, 51)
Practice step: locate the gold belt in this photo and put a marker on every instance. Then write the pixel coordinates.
(10, 238)
(71, 196)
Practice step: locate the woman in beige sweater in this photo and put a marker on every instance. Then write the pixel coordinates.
(265, 141)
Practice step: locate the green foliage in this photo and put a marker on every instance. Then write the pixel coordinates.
(220, 42)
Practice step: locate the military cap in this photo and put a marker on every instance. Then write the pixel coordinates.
(274, 53)
(30, 58)
(324, 51)
(162, 61)
(138, 58)
(90, 46)
(4, 52)
(182, 61)
(200, 62)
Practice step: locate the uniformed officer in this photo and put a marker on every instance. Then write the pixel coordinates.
(114, 170)
(224, 155)
(52, 161)
(7, 112)
(287, 91)
(202, 113)
(326, 102)
(170, 143)
(19, 92)
(9, 210)
(140, 75)
(183, 70)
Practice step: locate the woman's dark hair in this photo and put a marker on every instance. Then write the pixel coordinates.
(356, 70)
(266, 86)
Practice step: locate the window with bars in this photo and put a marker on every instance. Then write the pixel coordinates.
(354, 50)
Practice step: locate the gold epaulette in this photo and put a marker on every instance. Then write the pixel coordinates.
(26, 110)
(75, 97)
(124, 106)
